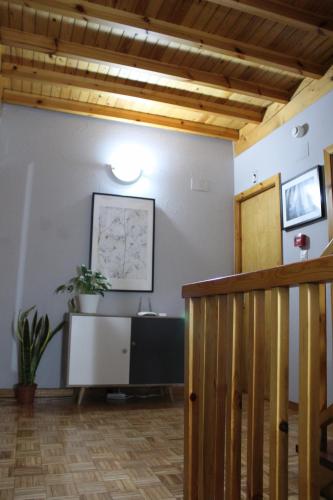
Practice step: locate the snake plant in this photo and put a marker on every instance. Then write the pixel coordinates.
(33, 337)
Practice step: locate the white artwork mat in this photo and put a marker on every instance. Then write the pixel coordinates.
(122, 241)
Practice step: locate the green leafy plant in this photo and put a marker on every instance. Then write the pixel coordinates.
(86, 282)
(33, 337)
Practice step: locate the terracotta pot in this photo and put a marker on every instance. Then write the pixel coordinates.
(25, 394)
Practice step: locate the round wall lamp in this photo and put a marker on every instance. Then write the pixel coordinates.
(126, 174)
(127, 161)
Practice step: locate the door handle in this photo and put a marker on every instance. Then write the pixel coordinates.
(133, 343)
(124, 351)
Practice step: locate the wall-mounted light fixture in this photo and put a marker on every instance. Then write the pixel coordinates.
(129, 161)
(126, 174)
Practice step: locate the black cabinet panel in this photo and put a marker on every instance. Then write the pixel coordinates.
(157, 351)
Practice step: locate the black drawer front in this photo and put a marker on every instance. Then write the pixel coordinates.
(157, 351)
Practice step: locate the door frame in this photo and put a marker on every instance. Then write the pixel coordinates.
(271, 182)
(328, 174)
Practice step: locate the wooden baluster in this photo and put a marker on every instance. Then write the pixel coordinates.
(201, 402)
(193, 361)
(221, 395)
(279, 394)
(256, 391)
(206, 335)
(208, 402)
(323, 360)
(309, 377)
(234, 398)
(212, 427)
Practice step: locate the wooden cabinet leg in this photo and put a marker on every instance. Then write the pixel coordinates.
(170, 392)
(81, 395)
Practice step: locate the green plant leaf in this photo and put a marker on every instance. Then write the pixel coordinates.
(26, 365)
(86, 281)
(32, 341)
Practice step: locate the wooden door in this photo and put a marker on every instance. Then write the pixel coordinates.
(258, 245)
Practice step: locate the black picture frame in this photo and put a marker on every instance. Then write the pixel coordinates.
(303, 199)
(122, 241)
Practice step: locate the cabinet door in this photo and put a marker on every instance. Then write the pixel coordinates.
(157, 351)
(99, 350)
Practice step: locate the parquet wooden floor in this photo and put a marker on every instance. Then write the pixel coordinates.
(57, 450)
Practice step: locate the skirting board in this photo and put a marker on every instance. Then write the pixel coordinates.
(68, 392)
(41, 393)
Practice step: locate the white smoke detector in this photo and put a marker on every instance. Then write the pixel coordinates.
(299, 130)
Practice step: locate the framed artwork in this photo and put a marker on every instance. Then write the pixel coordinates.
(303, 199)
(122, 241)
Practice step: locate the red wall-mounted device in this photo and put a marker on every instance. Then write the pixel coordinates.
(301, 241)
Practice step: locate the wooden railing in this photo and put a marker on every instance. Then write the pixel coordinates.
(213, 435)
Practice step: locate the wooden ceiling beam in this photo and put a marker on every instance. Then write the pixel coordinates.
(109, 113)
(277, 115)
(244, 51)
(282, 12)
(154, 93)
(55, 46)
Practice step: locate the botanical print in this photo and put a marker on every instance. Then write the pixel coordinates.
(122, 242)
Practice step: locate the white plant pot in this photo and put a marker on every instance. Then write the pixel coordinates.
(88, 303)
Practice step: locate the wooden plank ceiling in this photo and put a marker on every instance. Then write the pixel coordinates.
(206, 67)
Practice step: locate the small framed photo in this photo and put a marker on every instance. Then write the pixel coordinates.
(303, 199)
(122, 241)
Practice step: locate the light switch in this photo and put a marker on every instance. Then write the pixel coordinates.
(199, 184)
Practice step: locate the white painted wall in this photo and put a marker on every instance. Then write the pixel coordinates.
(50, 163)
(279, 152)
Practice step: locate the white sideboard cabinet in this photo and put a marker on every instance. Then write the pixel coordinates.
(118, 351)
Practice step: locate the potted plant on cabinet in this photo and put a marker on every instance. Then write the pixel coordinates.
(33, 337)
(88, 286)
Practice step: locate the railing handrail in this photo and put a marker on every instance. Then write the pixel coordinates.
(312, 271)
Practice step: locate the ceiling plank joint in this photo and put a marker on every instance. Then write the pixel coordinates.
(55, 46)
(118, 114)
(284, 13)
(237, 49)
(155, 93)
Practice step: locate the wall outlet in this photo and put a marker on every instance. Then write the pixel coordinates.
(199, 184)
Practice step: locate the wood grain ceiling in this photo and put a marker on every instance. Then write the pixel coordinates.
(220, 68)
